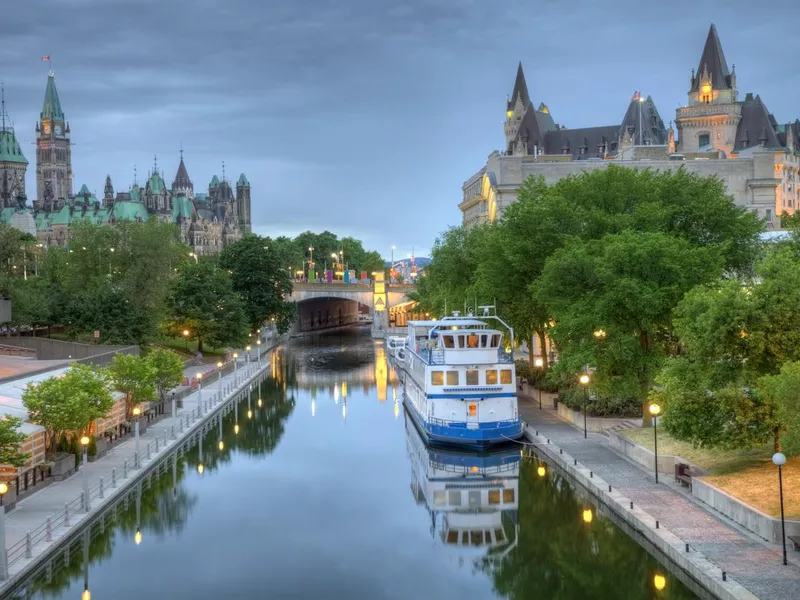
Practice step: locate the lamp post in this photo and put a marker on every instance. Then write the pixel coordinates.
(779, 459)
(186, 337)
(584, 381)
(258, 351)
(174, 406)
(200, 466)
(84, 463)
(235, 367)
(247, 360)
(655, 410)
(136, 412)
(200, 393)
(539, 364)
(219, 372)
(3, 552)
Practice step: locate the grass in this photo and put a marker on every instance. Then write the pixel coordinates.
(748, 475)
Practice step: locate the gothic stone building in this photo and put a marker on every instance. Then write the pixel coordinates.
(718, 134)
(206, 221)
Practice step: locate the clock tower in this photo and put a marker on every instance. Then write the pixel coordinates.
(53, 153)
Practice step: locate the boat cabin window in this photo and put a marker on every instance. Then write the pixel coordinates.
(461, 343)
(494, 496)
(447, 340)
(496, 340)
(508, 496)
(491, 377)
(472, 340)
(439, 497)
(452, 378)
(437, 377)
(505, 376)
(455, 497)
(452, 537)
(472, 377)
(476, 538)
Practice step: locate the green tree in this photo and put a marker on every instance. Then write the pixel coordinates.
(204, 302)
(70, 403)
(735, 334)
(256, 275)
(167, 367)
(135, 377)
(11, 442)
(627, 285)
(782, 394)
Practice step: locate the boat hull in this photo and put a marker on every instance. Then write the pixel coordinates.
(486, 435)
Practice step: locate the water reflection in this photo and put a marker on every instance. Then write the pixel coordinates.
(471, 498)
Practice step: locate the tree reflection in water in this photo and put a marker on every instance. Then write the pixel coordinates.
(561, 556)
(165, 504)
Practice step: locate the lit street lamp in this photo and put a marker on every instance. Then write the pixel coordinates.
(235, 367)
(200, 393)
(779, 459)
(174, 406)
(584, 381)
(258, 346)
(539, 364)
(85, 443)
(186, 336)
(655, 410)
(219, 371)
(136, 412)
(3, 552)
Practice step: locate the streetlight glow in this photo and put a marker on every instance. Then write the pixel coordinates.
(221, 445)
(539, 362)
(659, 581)
(584, 379)
(236, 429)
(138, 537)
(587, 515)
(3, 489)
(200, 468)
(219, 364)
(541, 471)
(136, 411)
(655, 409)
(85, 441)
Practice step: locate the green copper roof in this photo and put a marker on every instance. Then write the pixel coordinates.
(6, 214)
(136, 194)
(242, 180)
(51, 109)
(10, 150)
(201, 198)
(84, 191)
(130, 211)
(214, 181)
(156, 183)
(181, 207)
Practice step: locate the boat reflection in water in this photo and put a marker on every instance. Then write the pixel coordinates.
(472, 497)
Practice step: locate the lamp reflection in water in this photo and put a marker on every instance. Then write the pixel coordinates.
(137, 538)
(472, 499)
(200, 467)
(587, 515)
(659, 582)
(541, 471)
(86, 595)
(221, 444)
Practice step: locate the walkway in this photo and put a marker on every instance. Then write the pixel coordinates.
(750, 561)
(32, 512)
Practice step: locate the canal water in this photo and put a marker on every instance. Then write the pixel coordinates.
(325, 489)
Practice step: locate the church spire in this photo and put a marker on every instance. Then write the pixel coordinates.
(51, 108)
(182, 183)
(712, 64)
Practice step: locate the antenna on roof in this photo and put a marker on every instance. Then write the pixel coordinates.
(135, 180)
(181, 150)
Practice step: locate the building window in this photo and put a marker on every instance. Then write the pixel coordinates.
(768, 215)
(452, 378)
(437, 377)
(472, 377)
(704, 139)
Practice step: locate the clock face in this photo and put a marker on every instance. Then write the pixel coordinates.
(58, 129)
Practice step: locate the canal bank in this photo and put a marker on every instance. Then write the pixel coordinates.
(663, 515)
(39, 523)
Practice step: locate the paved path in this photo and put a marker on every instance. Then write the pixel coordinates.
(33, 511)
(752, 562)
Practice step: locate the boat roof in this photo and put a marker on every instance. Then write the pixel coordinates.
(449, 323)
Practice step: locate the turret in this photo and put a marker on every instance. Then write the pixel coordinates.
(243, 203)
(108, 193)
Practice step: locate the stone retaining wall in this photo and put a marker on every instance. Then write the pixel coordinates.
(745, 515)
(593, 424)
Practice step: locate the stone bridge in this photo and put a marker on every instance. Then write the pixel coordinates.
(327, 305)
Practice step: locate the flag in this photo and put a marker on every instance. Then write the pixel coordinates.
(46, 58)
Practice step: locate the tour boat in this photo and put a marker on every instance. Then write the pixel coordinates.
(471, 498)
(460, 384)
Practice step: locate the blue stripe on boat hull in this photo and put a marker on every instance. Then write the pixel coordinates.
(470, 438)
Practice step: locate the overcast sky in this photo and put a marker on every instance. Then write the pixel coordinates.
(363, 117)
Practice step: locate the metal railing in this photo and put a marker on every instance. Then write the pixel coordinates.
(77, 509)
(464, 424)
(435, 356)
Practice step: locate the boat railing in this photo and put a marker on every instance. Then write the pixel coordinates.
(435, 356)
(464, 424)
(451, 468)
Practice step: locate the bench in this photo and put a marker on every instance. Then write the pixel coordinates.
(795, 539)
(683, 474)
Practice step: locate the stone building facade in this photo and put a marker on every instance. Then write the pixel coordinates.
(206, 221)
(718, 134)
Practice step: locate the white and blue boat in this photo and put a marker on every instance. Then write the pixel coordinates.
(460, 384)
